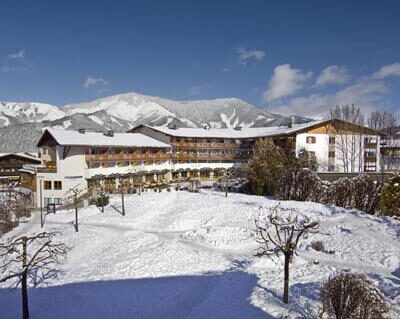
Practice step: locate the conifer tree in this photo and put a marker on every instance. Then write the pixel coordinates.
(390, 196)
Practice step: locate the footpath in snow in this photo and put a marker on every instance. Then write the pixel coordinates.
(191, 255)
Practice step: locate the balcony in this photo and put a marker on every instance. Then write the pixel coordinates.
(50, 167)
(207, 156)
(370, 159)
(370, 145)
(195, 145)
(127, 157)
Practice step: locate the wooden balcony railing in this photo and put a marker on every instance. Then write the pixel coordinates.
(193, 156)
(370, 145)
(50, 167)
(211, 145)
(127, 157)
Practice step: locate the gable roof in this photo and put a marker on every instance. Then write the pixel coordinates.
(75, 138)
(248, 132)
(23, 155)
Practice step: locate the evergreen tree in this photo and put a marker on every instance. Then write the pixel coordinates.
(390, 196)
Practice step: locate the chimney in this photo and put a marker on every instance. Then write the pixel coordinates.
(172, 126)
(290, 124)
(109, 133)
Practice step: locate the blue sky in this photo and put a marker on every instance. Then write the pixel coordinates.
(298, 57)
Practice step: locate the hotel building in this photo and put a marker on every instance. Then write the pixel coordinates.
(154, 156)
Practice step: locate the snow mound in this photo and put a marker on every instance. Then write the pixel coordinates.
(221, 237)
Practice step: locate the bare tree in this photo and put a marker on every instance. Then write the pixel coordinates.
(281, 235)
(386, 122)
(227, 179)
(13, 206)
(29, 256)
(350, 136)
(74, 196)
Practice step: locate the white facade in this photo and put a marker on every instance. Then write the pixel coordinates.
(70, 172)
(347, 153)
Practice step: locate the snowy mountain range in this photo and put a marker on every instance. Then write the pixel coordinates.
(21, 123)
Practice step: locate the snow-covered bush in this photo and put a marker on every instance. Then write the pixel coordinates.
(297, 183)
(360, 192)
(390, 196)
(321, 192)
(340, 193)
(364, 193)
(351, 296)
(318, 246)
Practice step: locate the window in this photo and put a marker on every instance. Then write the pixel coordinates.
(94, 164)
(57, 185)
(47, 184)
(332, 140)
(47, 201)
(331, 154)
(331, 168)
(311, 139)
(58, 201)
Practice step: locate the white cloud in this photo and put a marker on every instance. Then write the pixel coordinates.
(7, 69)
(194, 90)
(19, 55)
(246, 55)
(332, 75)
(387, 70)
(285, 81)
(365, 94)
(225, 70)
(91, 81)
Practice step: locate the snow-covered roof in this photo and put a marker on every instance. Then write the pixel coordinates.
(248, 132)
(75, 138)
(22, 154)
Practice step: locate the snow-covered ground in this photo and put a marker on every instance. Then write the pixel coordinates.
(190, 255)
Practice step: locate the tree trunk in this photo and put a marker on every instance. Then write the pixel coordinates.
(76, 214)
(24, 288)
(24, 291)
(286, 279)
(123, 202)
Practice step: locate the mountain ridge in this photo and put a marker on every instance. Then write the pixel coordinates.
(21, 123)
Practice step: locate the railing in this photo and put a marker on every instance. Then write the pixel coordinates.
(212, 145)
(47, 169)
(127, 157)
(50, 167)
(199, 156)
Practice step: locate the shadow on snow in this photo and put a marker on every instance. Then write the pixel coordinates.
(225, 295)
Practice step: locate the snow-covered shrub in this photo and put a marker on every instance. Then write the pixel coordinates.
(364, 192)
(340, 192)
(390, 196)
(360, 192)
(352, 296)
(321, 192)
(297, 183)
(102, 200)
(318, 246)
